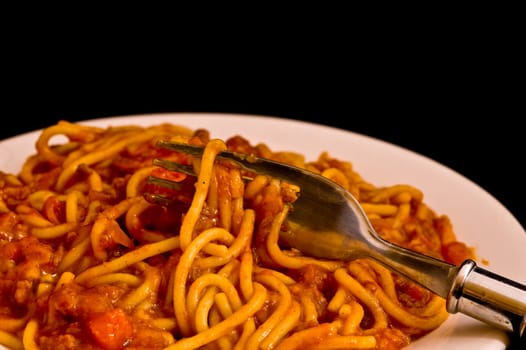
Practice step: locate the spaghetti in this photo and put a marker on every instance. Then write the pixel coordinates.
(86, 262)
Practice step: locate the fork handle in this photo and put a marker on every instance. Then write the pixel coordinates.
(488, 297)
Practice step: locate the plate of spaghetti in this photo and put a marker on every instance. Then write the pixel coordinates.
(87, 262)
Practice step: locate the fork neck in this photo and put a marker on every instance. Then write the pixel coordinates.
(431, 273)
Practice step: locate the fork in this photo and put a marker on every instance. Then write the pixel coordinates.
(331, 224)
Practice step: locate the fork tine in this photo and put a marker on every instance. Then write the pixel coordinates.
(158, 196)
(158, 181)
(250, 163)
(160, 199)
(165, 192)
(245, 161)
(173, 166)
(313, 185)
(315, 188)
(181, 147)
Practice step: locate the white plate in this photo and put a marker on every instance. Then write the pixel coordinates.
(478, 218)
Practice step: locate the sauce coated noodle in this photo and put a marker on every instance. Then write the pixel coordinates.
(86, 262)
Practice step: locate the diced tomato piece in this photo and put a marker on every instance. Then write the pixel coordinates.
(111, 330)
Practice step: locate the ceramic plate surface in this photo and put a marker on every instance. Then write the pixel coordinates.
(478, 218)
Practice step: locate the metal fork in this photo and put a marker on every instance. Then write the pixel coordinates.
(331, 224)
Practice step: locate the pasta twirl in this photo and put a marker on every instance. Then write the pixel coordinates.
(87, 262)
